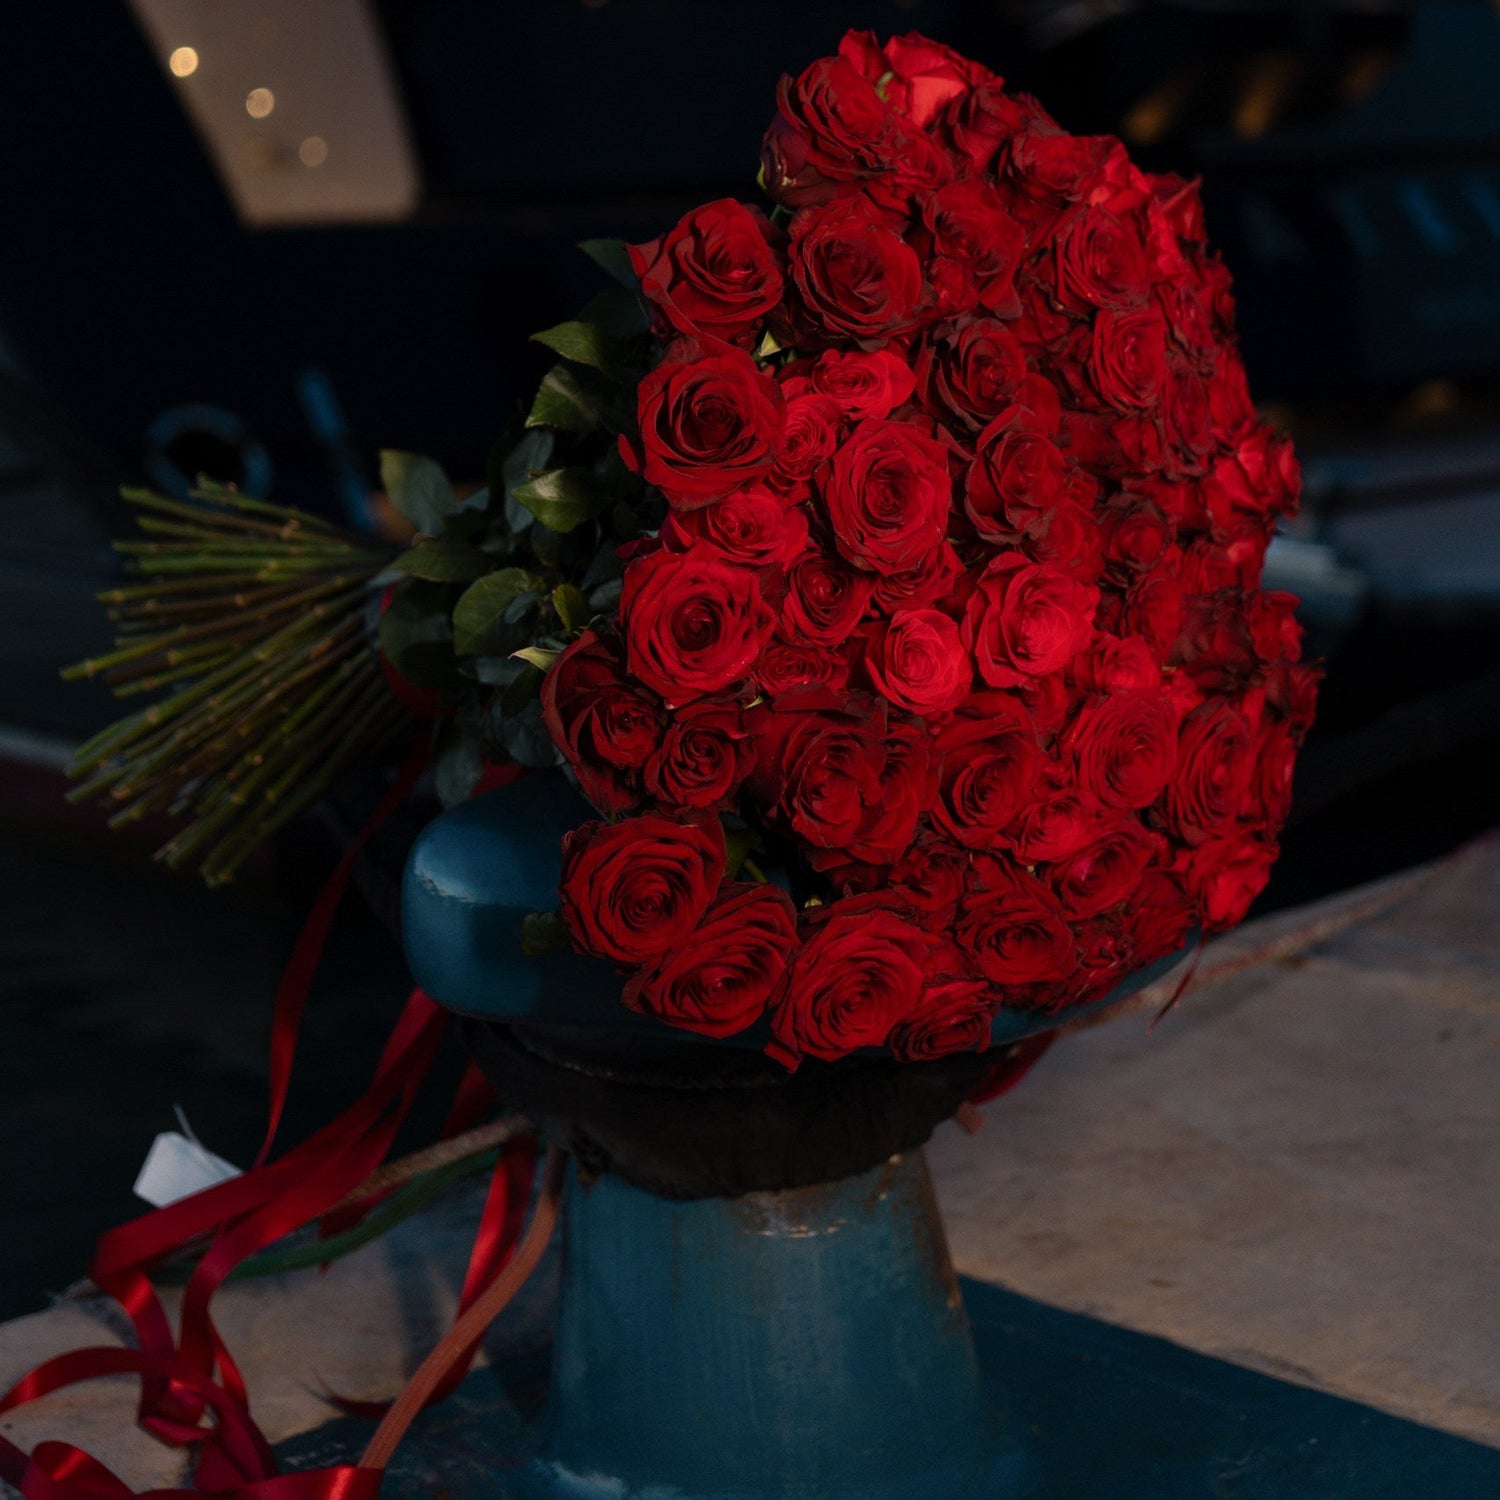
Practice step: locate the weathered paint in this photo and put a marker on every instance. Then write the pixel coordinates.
(810, 1343)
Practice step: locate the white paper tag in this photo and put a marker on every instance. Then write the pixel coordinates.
(176, 1167)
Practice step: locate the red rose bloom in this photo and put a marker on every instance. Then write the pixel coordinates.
(604, 724)
(856, 977)
(1058, 825)
(693, 622)
(785, 666)
(1216, 759)
(1017, 478)
(721, 977)
(632, 890)
(971, 225)
(1128, 359)
(831, 130)
(1125, 747)
(856, 277)
(1105, 871)
(955, 1016)
(812, 434)
(888, 495)
(755, 527)
(716, 273)
(1226, 875)
(969, 374)
(930, 878)
(990, 761)
(704, 755)
(917, 661)
(916, 76)
(864, 384)
(1100, 263)
(1014, 929)
(1026, 620)
(825, 600)
(710, 421)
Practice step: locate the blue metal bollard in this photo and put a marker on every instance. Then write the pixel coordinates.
(801, 1343)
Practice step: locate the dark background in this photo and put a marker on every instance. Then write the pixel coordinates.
(1352, 176)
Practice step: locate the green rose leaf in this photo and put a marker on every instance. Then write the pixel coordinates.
(418, 489)
(571, 606)
(443, 560)
(482, 619)
(564, 498)
(613, 257)
(585, 344)
(539, 657)
(416, 636)
(543, 932)
(575, 400)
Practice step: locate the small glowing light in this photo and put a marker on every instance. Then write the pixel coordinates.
(183, 62)
(313, 151)
(259, 103)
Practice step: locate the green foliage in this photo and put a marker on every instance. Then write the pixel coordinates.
(443, 560)
(571, 606)
(489, 618)
(563, 499)
(543, 932)
(418, 489)
(585, 344)
(579, 401)
(417, 635)
(611, 256)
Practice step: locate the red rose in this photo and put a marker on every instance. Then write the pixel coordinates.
(856, 977)
(704, 755)
(716, 273)
(990, 761)
(605, 725)
(1105, 871)
(971, 225)
(930, 878)
(970, 373)
(1216, 759)
(821, 773)
(1136, 537)
(1058, 825)
(1026, 620)
(1154, 606)
(986, 118)
(916, 76)
(908, 786)
(710, 421)
(1160, 916)
(856, 277)
(1017, 477)
(693, 622)
(1100, 262)
(721, 977)
(864, 384)
(785, 666)
(954, 1016)
(888, 496)
(1275, 762)
(825, 599)
(917, 661)
(812, 434)
(1128, 357)
(1014, 929)
(1115, 665)
(1125, 747)
(931, 582)
(1274, 630)
(1052, 166)
(755, 527)
(1226, 875)
(831, 129)
(632, 890)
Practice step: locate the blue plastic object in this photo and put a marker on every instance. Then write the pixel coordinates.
(481, 868)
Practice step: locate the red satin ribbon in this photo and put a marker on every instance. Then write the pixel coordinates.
(302, 966)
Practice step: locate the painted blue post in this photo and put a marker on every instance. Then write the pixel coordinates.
(810, 1343)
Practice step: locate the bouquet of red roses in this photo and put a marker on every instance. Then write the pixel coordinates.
(953, 616)
(883, 567)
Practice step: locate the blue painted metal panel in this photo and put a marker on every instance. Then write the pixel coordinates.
(481, 868)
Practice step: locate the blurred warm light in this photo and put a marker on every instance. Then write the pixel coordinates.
(1268, 91)
(313, 151)
(1152, 118)
(183, 61)
(259, 103)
